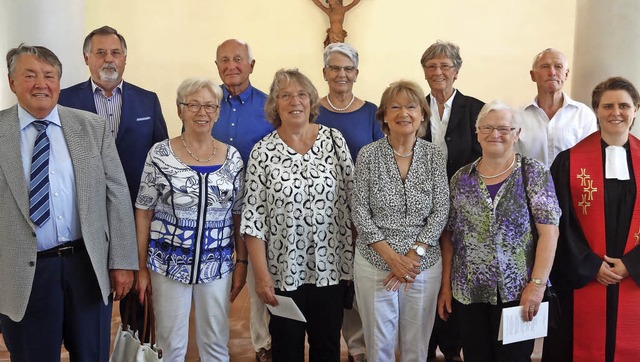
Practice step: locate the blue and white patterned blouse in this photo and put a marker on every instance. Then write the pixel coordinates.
(494, 248)
(192, 236)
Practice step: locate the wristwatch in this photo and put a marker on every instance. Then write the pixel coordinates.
(538, 282)
(419, 249)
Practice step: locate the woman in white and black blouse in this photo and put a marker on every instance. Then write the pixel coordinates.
(400, 206)
(296, 220)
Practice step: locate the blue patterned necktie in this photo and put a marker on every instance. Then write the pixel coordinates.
(39, 184)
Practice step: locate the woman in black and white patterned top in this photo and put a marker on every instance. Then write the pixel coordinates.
(296, 213)
(400, 206)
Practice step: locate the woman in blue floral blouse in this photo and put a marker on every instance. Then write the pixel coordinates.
(491, 258)
(187, 217)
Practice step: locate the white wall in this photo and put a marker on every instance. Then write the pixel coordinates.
(170, 40)
(55, 24)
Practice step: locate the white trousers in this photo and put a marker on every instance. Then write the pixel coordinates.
(172, 306)
(352, 330)
(402, 317)
(259, 317)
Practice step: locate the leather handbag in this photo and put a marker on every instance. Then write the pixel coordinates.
(127, 345)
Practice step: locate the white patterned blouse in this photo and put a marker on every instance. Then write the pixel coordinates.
(299, 205)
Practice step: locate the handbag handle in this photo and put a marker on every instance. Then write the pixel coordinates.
(149, 320)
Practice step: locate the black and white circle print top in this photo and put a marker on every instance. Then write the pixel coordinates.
(299, 205)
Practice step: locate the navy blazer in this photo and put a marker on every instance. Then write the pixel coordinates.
(460, 137)
(141, 125)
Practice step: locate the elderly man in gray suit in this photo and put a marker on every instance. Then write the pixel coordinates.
(67, 239)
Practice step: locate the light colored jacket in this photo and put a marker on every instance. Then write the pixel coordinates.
(103, 202)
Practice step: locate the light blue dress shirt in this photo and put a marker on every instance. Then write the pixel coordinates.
(64, 223)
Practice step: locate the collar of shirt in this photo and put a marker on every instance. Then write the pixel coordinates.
(26, 119)
(567, 101)
(96, 87)
(447, 106)
(244, 97)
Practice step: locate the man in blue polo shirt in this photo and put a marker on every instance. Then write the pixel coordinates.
(242, 124)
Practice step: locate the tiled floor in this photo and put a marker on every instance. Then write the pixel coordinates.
(240, 348)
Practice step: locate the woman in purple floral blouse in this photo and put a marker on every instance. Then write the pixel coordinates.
(491, 256)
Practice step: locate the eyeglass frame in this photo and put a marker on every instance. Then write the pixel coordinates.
(502, 130)
(191, 107)
(115, 53)
(349, 69)
(443, 67)
(302, 96)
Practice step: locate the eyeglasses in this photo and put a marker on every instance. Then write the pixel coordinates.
(116, 53)
(195, 107)
(443, 67)
(395, 108)
(503, 130)
(337, 68)
(286, 97)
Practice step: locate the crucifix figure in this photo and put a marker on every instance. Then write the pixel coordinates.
(336, 11)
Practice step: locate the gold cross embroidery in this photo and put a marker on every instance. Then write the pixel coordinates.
(590, 189)
(582, 176)
(584, 204)
(637, 237)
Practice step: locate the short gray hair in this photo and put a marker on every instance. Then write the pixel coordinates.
(549, 50)
(499, 105)
(241, 42)
(342, 48)
(105, 30)
(440, 48)
(40, 52)
(192, 85)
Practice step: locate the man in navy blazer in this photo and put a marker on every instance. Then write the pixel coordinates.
(133, 113)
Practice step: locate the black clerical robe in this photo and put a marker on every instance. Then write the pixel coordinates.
(599, 216)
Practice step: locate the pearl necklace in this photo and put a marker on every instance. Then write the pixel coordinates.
(501, 173)
(353, 97)
(400, 154)
(191, 153)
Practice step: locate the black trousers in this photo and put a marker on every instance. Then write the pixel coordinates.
(65, 305)
(479, 324)
(322, 307)
(446, 334)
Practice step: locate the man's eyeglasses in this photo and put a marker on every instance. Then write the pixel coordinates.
(103, 53)
(195, 107)
(503, 130)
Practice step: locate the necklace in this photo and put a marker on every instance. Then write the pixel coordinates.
(353, 97)
(501, 173)
(400, 154)
(191, 153)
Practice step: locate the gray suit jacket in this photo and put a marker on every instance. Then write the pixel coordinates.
(104, 205)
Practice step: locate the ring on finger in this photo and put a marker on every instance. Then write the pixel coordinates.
(407, 277)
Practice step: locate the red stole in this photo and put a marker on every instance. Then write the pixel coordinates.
(589, 321)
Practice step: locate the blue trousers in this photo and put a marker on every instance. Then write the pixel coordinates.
(65, 305)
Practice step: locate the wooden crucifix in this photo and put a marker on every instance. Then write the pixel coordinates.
(336, 11)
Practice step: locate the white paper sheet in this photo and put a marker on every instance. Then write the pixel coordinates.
(514, 329)
(287, 308)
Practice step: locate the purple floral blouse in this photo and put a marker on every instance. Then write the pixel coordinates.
(494, 248)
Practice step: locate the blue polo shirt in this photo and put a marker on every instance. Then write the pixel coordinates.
(242, 122)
